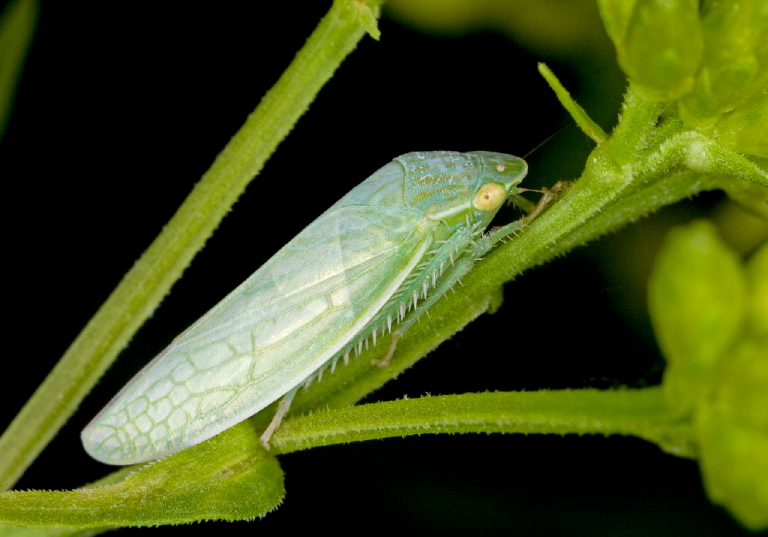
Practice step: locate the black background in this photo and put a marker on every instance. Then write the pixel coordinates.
(120, 111)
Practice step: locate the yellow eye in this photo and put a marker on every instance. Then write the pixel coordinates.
(489, 197)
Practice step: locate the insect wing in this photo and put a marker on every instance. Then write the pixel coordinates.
(266, 337)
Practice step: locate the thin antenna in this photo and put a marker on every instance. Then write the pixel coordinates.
(547, 139)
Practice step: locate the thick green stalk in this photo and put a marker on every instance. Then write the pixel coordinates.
(641, 413)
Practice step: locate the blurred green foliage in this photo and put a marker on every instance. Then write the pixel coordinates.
(711, 61)
(710, 313)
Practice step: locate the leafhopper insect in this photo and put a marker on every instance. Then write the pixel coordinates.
(371, 264)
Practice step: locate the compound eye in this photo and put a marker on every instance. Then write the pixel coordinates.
(489, 197)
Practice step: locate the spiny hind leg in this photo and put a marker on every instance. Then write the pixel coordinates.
(458, 271)
(427, 285)
(474, 250)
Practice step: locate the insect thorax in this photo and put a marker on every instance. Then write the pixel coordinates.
(435, 178)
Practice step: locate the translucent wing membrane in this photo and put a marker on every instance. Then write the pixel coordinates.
(304, 307)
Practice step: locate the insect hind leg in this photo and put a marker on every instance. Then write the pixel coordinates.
(282, 409)
(447, 266)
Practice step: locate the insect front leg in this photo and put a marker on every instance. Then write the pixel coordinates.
(533, 210)
(547, 195)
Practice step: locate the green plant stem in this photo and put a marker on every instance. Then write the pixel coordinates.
(150, 279)
(232, 477)
(641, 413)
(585, 123)
(618, 186)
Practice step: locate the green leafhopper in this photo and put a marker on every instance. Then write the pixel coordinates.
(371, 264)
